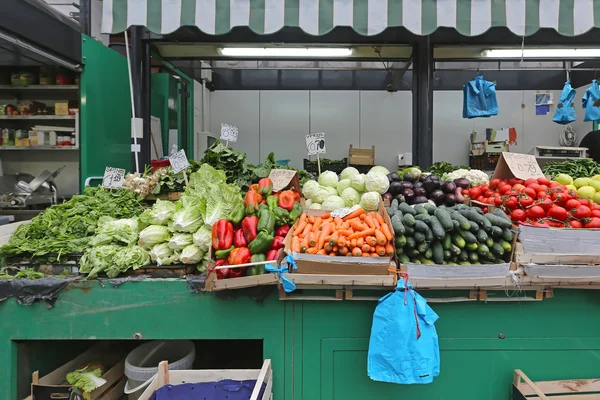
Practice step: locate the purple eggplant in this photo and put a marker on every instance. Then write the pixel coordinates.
(395, 188)
(409, 194)
(459, 196)
(448, 187)
(450, 200)
(437, 196)
(406, 184)
(462, 183)
(393, 177)
(387, 196)
(420, 200)
(431, 185)
(408, 177)
(420, 191)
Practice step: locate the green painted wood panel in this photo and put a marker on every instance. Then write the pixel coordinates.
(105, 128)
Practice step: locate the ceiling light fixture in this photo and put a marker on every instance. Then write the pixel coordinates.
(541, 53)
(296, 52)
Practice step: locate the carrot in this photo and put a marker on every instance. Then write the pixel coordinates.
(299, 228)
(328, 248)
(345, 232)
(389, 249)
(335, 249)
(375, 220)
(296, 244)
(325, 216)
(366, 248)
(352, 242)
(360, 241)
(356, 213)
(357, 226)
(338, 221)
(324, 233)
(363, 233)
(303, 217)
(356, 252)
(322, 252)
(365, 254)
(371, 241)
(306, 230)
(370, 221)
(345, 225)
(312, 250)
(334, 238)
(380, 250)
(381, 239)
(304, 245)
(317, 223)
(386, 231)
(312, 242)
(374, 255)
(362, 217)
(343, 251)
(341, 242)
(379, 218)
(311, 219)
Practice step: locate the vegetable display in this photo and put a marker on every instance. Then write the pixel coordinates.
(474, 176)
(417, 188)
(442, 167)
(577, 168)
(426, 234)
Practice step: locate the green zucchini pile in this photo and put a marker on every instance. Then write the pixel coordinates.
(458, 235)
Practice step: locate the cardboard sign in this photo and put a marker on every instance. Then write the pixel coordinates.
(517, 165)
(342, 212)
(315, 143)
(113, 178)
(179, 161)
(281, 178)
(229, 133)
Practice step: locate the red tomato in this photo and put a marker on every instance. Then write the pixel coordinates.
(480, 199)
(525, 201)
(541, 223)
(594, 223)
(488, 193)
(572, 194)
(558, 213)
(555, 184)
(556, 224)
(530, 182)
(498, 201)
(535, 186)
(560, 198)
(582, 212)
(489, 200)
(511, 203)
(575, 224)
(475, 192)
(596, 213)
(518, 215)
(530, 192)
(503, 188)
(543, 188)
(584, 202)
(485, 188)
(465, 192)
(595, 206)
(544, 181)
(542, 195)
(546, 204)
(518, 187)
(536, 212)
(494, 182)
(514, 181)
(485, 210)
(571, 204)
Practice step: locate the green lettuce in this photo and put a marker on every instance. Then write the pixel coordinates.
(121, 231)
(86, 380)
(153, 235)
(188, 217)
(180, 240)
(162, 254)
(191, 254)
(112, 260)
(203, 238)
(160, 213)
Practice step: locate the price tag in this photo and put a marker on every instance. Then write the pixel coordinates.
(521, 166)
(342, 212)
(281, 178)
(315, 143)
(179, 161)
(229, 133)
(113, 178)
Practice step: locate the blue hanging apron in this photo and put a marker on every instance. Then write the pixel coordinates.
(565, 110)
(479, 99)
(592, 94)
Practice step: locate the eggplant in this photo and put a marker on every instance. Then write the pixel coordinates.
(462, 183)
(387, 196)
(395, 188)
(449, 187)
(417, 185)
(408, 177)
(437, 196)
(450, 200)
(431, 185)
(459, 196)
(409, 194)
(406, 184)
(420, 191)
(420, 200)
(393, 177)
(433, 177)
(400, 198)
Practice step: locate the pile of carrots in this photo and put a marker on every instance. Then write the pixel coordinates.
(358, 234)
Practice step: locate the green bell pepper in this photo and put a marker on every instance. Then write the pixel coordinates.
(266, 221)
(258, 258)
(220, 254)
(272, 202)
(237, 214)
(282, 217)
(261, 243)
(295, 212)
(257, 269)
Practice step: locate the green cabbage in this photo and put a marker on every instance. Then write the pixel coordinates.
(309, 188)
(153, 235)
(191, 254)
(379, 169)
(349, 172)
(307, 203)
(358, 182)
(160, 213)
(315, 206)
(328, 178)
(333, 203)
(370, 201)
(133, 257)
(320, 195)
(342, 185)
(331, 190)
(180, 240)
(351, 197)
(203, 238)
(377, 182)
(112, 260)
(162, 254)
(86, 380)
(122, 231)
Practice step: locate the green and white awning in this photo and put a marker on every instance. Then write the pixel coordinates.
(366, 17)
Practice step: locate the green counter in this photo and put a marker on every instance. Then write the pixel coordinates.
(318, 348)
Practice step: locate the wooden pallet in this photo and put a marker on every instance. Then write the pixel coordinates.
(568, 389)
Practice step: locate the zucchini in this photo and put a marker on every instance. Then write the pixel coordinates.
(500, 213)
(447, 255)
(481, 236)
(455, 250)
(399, 213)
(394, 205)
(473, 257)
(438, 252)
(458, 241)
(436, 227)
(400, 241)
(482, 249)
(410, 243)
(419, 237)
(447, 242)
(505, 245)
(410, 230)
(406, 209)
(463, 256)
(421, 226)
(498, 250)
(471, 246)
(408, 219)
(403, 258)
(444, 217)
(390, 211)
(496, 231)
(507, 235)
(430, 208)
(468, 236)
(422, 247)
(420, 209)
(462, 221)
(422, 217)
(397, 225)
(429, 254)
(497, 221)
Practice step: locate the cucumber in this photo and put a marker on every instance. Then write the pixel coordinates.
(458, 241)
(400, 241)
(462, 221)
(487, 262)
(415, 261)
(499, 261)
(489, 256)
(408, 219)
(430, 208)
(406, 209)
(397, 225)
(474, 216)
(507, 235)
(464, 263)
(438, 252)
(410, 243)
(444, 217)
(455, 225)
(429, 254)
(498, 250)
(496, 231)
(419, 237)
(410, 230)
(420, 209)
(412, 253)
(455, 250)
(477, 210)
(447, 255)
(399, 213)
(447, 242)
(489, 242)
(474, 227)
(394, 205)
(399, 251)
(482, 249)
(473, 257)
(425, 260)
(505, 245)
(422, 247)
(422, 217)
(468, 236)
(463, 256)
(403, 258)
(500, 213)
(429, 235)
(481, 236)
(436, 227)
(390, 211)
(471, 246)
(421, 226)
(497, 221)
(452, 263)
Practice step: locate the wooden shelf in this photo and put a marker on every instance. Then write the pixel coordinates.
(38, 148)
(36, 117)
(39, 87)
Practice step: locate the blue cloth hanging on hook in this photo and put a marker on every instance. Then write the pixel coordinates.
(479, 99)
(592, 94)
(565, 110)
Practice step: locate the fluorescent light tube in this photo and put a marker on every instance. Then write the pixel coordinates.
(541, 53)
(300, 52)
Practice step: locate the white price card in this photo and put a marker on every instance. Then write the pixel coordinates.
(315, 143)
(342, 212)
(229, 133)
(113, 178)
(281, 178)
(179, 161)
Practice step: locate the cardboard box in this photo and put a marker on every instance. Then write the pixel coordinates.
(496, 147)
(477, 149)
(329, 265)
(61, 109)
(37, 138)
(517, 165)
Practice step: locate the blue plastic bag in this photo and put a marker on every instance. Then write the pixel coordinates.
(565, 112)
(592, 94)
(479, 99)
(222, 390)
(404, 343)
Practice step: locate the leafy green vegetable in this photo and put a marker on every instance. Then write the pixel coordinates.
(188, 217)
(153, 235)
(203, 238)
(160, 213)
(162, 254)
(191, 254)
(180, 240)
(112, 260)
(442, 167)
(86, 380)
(232, 162)
(120, 231)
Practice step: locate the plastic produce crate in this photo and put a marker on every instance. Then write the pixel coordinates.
(485, 162)
(576, 389)
(326, 165)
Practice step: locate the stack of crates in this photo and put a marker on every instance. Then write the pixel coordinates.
(485, 155)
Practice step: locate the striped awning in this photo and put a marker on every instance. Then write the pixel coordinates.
(366, 17)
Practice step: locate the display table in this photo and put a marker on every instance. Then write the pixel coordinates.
(318, 348)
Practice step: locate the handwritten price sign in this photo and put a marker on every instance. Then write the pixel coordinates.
(521, 166)
(113, 178)
(315, 143)
(229, 133)
(179, 161)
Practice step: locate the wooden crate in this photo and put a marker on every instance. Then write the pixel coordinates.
(567, 389)
(559, 241)
(361, 156)
(458, 276)
(166, 377)
(52, 387)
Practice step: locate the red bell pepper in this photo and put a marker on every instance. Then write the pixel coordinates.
(254, 188)
(224, 272)
(249, 227)
(222, 235)
(238, 238)
(265, 187)
(277, 243)
(251, 202)
(297, 196)
(272, 255)
(239, 256)
(286, 200)
(282, 230)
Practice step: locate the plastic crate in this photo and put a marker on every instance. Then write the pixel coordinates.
(336, 166)
(485, 162)
(363, 169)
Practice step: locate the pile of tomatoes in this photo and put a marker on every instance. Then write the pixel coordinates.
(539, 202)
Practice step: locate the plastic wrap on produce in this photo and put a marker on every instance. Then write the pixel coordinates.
(27, 291)
(116, 282)
(196, 282)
